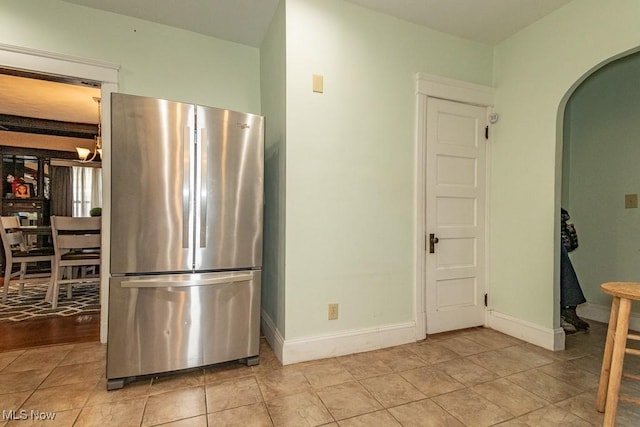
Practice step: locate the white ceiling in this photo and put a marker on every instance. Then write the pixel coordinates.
(246, 21)
(241, 21)
(485, 21)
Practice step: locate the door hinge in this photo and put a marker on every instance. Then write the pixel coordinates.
(486, 300)
(486, 132)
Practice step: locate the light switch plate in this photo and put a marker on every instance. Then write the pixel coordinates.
(318, 83)
(333, 311)
(630, 201)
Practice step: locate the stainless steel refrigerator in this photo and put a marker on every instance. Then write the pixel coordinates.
(186, 237)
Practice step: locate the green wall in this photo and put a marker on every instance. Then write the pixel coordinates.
(604, 158)
(155, 60)
(348, 164)
(535, 72)
(350, 160)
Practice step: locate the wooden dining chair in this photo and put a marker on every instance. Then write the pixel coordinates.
(77, 244)
(16, 251)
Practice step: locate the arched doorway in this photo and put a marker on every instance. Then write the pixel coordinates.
(600, 179)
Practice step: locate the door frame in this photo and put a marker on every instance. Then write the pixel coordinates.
(452, 90)
(106, 73)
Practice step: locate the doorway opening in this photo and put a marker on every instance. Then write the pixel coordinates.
(465, 250)
(73, 74)
(599, 184)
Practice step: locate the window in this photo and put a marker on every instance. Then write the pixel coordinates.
(87, 189)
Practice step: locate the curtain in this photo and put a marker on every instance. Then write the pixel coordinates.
(96, 188)
(87, 190)
(61, 191)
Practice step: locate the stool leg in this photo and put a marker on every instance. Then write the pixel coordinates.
(606, 358)
(619, 346)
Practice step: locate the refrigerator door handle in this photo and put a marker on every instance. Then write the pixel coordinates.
(204, 149)
(186, 186)
(155, 283)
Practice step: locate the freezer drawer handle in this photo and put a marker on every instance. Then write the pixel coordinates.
(223, 280)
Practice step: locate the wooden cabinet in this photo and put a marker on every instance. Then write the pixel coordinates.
(25, 186)
(32, 211)
(32, 167)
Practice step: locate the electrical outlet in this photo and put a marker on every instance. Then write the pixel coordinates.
(333, 311)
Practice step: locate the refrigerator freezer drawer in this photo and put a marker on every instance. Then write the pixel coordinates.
(166, 323)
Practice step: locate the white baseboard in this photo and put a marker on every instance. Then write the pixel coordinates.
(339, 344)
(601, 313)
(272, 334)
(551, 339)
(356, 341)
(347, 342)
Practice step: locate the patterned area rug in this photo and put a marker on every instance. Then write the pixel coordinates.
(31, 305)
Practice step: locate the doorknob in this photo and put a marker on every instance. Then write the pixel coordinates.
(432, 243)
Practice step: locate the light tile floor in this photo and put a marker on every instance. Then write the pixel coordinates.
(476, 377)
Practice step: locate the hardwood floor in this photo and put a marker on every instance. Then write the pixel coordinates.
(57, 330)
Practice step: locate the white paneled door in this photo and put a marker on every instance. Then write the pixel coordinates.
(455, 215)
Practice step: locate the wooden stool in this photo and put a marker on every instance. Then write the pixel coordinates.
(617, 334)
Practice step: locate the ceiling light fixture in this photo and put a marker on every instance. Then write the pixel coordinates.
(85, 154)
